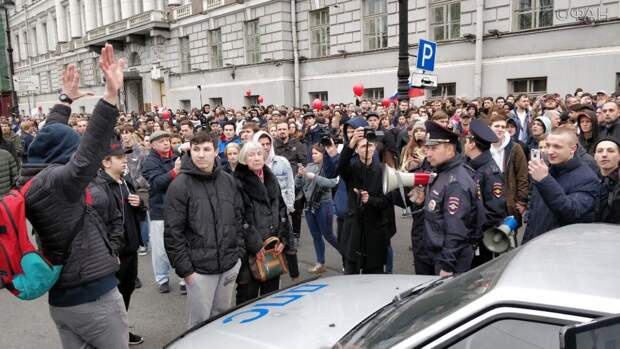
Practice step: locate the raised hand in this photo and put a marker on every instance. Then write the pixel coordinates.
(71, 83)
(113, 71)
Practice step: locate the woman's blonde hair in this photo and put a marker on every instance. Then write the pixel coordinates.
(248, 147)
(230, 146)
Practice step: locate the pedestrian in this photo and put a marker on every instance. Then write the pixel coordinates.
(228, 136)
(203, 229)
(264, 215)
(13, 138)
(610, 121)
(8, 171)
(319, 205)
(159, 168)
(522, 116)
(489, 182)
(232, 155)
(541, 127)
(565, 192)
(607, 155)
(588, 130)
(85, 304)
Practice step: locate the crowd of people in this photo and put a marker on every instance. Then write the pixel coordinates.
(203, 190)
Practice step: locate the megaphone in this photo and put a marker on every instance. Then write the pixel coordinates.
(502, 238)
(391, 181)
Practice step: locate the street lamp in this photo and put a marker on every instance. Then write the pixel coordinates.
(403, 50)
(9, 51)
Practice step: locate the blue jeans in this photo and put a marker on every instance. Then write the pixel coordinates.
(144, 230)
(161, 264)
(320, 223)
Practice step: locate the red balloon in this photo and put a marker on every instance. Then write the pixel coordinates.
(317, 104)
(260, 99)
(386, 102)
(358, 89)
(248, 93)
(166, 115)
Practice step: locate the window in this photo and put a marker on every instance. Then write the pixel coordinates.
(251, 100)
(444, 90)
(216, 102)
(50, 87)
(532, 86)
(319, 32)
(530, 14)
(215, 40)
(513, 334)
(374, 94)
(96, 72)
(446, 21)
(184, 54)
(186, 104)
(375, 24)
(45, 39)
(322, 95)
(252, 42)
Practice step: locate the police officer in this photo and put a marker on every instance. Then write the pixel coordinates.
(450, 205)
(489, 182)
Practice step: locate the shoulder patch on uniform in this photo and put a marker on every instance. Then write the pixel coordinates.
(431, 205)
(498, 190)
(453, 204)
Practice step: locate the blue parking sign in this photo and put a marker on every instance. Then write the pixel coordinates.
(426, 55)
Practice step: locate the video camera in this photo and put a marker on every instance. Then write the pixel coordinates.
(372, 135)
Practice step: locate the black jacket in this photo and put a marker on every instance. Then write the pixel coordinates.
(294, 151)
(264, 211)
(56, 204)
(490, 185)
(157, 170)
(611, 131)
(110, 201)
(609, 206)
(203, 218)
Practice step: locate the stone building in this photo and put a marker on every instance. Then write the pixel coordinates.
(293, 51)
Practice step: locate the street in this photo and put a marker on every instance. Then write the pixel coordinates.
(159, 318)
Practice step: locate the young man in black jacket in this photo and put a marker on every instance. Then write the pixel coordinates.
(203, 215)
(84, 303)
(115, 199)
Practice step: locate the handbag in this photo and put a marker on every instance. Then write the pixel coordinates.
(272, 265)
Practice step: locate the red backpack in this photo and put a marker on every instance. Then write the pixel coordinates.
(23, 270)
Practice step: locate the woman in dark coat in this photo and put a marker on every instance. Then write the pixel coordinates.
(265, 216)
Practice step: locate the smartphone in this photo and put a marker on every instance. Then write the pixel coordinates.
(534, 154)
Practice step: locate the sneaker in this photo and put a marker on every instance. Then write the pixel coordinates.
(164, 288)
(317, 269)
(138, 283)
(134, 339)
(183, 289)
(143, 251)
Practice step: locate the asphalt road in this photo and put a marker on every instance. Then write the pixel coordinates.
(159, 318)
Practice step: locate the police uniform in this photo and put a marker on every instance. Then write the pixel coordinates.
(490, 189)
(450, 209)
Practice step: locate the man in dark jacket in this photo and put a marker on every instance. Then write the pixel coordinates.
(564, 193)
(203, 229)
(115, 199)
(159, 168)
(610, 121)
(607, 155)
(69, 231)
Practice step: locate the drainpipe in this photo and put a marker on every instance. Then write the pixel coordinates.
(479, 35)
(295, 51)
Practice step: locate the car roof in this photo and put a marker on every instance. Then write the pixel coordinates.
(576, 265)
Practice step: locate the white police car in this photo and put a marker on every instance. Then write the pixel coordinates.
(523, 299)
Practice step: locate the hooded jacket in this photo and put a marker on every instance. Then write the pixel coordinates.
(281, 168)
(203, 215)
(588, 143)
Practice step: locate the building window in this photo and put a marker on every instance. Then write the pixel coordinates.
(50, 87)
(531, 86)
(45, 38)
(184, 54)
(96, 72)
(444, 90)
(375, 24)
(216, 102)
(322, 95)
(252, 41)
(531, 14)
(374, 94)
(251, 100)
(215, 40)
(319, 32)
(446, 21)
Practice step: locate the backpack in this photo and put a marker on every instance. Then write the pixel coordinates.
(23, 270)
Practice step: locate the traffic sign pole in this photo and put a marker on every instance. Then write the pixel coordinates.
(403, 50)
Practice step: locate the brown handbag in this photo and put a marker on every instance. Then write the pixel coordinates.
(272, 265)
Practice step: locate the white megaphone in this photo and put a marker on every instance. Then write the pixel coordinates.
(391, 179)
(502, 238)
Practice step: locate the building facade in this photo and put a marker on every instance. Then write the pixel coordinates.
(185, 53)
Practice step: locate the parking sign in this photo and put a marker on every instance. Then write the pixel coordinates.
(426, 55)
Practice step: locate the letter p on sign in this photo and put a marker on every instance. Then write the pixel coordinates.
(426, 55)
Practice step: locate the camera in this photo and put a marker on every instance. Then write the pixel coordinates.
(371, 135)
(326, 141)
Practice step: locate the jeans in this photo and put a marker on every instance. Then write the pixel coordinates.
(320, 224)
(210, 295)
(98, 324)
(144, 230)
(161, 264)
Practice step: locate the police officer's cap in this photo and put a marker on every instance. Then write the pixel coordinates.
(436, 134)
(482, 132)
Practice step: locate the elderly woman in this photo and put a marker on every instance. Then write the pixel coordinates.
(265, 216)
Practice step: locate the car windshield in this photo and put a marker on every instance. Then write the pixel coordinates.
(407, 316)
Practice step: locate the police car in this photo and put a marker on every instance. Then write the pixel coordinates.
(522, 299)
